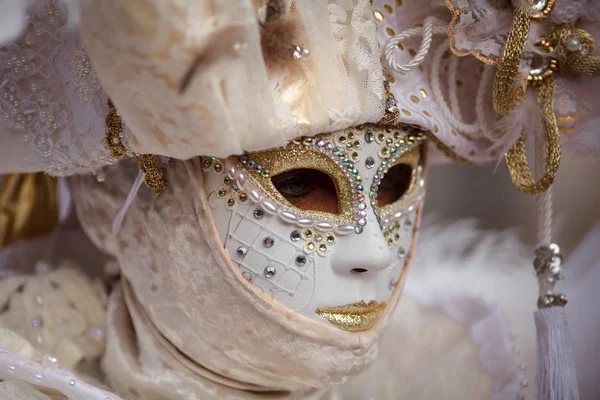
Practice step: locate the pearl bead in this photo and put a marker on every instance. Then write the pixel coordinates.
(573, 44)
(288, 217)
(268, 207)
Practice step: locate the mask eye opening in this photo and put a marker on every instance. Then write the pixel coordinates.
(396, 184)
(308, 189)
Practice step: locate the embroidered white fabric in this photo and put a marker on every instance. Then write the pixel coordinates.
(234, 102)
(50, 98)
(59, 313)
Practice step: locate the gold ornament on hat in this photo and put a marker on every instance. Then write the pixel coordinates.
(149, 164)
(568, 52)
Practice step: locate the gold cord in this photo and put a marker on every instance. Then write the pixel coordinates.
(149, 164)
(113, 133)
(516, 157)
(573, 63)
(506, 95)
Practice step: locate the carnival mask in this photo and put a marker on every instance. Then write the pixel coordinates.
(324, 225)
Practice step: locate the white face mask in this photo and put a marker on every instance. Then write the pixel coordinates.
(323, 226)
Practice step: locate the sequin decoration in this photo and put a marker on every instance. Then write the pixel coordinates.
(229, 188)
(396, 143)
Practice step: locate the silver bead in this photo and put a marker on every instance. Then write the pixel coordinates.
(369, 162)
(295, 236)
(369, 136)
(38, 377)
(270, 272)
(71, 382)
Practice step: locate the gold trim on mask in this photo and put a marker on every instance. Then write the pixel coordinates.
(412, 158)
(354, 317)
(280, 161)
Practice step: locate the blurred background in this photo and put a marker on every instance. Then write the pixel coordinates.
(486, 193)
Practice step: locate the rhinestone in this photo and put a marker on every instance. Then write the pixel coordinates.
(323, 248)
(218, 167)
(258, 214)
(330, 239)
(50, 359)
(270, 272)
(310, 246)
(390, 242)
(243, 197)
(390, 106)
(408, 224)
(401, 253)
(301, 261)
(308, 234)
(231, 202)
(370, 162)
(227, 181)
(295, 236)
(242, 251)
(318, 238)
(268, 242)
(222, 193)
(362, 222)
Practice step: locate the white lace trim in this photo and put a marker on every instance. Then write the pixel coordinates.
(50, 93)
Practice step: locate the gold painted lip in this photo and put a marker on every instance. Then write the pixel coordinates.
(353, 317)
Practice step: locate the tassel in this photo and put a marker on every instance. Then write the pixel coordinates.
(556, 376)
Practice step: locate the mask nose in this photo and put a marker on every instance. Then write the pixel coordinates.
(364, 254)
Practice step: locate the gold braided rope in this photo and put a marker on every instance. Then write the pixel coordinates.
(506, 95)
(516, 157)
(149, 164)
